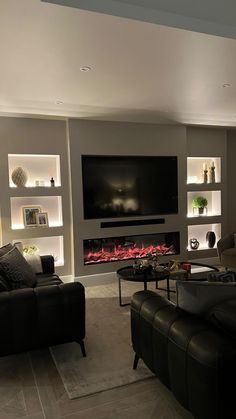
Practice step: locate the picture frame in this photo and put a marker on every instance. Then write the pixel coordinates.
(42, 219)
(30, 215)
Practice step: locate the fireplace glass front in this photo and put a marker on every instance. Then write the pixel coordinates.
(113, 249)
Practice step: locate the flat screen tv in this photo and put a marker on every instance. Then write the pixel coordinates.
(120, 186)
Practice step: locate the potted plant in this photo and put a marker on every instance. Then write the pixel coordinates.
(200, 202)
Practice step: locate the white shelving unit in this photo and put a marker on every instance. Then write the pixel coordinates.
(39, 168)
(195, 167)
(214, 203)
(200, 231)
(210, 220)
(50, 204)
(53, 245)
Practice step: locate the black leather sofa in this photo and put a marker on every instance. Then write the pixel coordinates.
(48, 314)
(190, 355)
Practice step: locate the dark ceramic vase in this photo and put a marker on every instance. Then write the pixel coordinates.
(211, 239)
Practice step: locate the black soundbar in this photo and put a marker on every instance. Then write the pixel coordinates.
(108, 224)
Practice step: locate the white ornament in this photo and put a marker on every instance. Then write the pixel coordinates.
(19, 176)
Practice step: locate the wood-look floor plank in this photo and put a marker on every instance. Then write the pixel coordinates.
(137, 400)
(18, 392)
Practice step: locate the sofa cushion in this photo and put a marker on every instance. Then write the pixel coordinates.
(16, 270)
(197, 297)
(223, 315)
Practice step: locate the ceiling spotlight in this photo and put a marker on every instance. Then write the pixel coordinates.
(225, 85)
(59, 102)
(85, 68)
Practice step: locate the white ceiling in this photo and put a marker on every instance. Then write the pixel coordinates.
(140, 71)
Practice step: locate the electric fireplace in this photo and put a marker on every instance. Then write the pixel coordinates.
(113, 249)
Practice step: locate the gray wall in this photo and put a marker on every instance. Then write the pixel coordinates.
(211, 142)
(35, 136)
(231, 180)
(114, 138)
(32, 136)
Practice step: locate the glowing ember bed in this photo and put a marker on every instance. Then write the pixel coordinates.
(113, 249)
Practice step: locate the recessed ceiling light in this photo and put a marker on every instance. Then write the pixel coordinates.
(59, 102)
(225, 85)
(85, 68)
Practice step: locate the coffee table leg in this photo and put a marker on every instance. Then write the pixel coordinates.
(120, 298)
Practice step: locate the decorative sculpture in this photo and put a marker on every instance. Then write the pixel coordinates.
(19, 177)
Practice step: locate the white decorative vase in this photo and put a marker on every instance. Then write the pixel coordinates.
(19, 176)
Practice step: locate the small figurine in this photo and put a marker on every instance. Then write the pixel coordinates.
(52, 181)
(212, 173)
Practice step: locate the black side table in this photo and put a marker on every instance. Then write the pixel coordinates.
(146, 275)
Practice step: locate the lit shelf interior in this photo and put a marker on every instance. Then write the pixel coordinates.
(39, 167)
(199, 232)
(195, 168)
(50, 204)
(213, 207)
(47, 246)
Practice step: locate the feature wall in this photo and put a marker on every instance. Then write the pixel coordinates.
(122, 139)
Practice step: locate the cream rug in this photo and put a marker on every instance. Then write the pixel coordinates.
(108, 345)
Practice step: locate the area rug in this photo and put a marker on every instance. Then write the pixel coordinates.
(108, 345)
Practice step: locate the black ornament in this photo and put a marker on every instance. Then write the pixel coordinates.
(194, 243)
(211, 239)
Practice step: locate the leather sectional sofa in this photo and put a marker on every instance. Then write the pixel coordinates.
(47, 314)
(194, 356)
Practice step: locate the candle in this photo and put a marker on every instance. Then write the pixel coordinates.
(204, 166)
(212, 163)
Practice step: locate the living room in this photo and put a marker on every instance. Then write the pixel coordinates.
(53, 117)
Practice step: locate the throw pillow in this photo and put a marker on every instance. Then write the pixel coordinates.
(223, 316)
(4, 285)
(35, 262)
(197, 297)
(5, 249)
(228, 276)
(16, 270)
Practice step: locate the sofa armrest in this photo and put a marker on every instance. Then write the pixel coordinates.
(44, 316)
(61, 312)
(225, 243)
(48, 265)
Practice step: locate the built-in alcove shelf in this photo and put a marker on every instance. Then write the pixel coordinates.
(192, 187)
(32, 232)
(52, 205)
(38, 167)
(35, 191)
(196, 166)
(204, 220)
(214, 203)
(199, 231)
(50, 245)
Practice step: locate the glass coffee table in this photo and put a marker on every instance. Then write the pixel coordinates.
(142, 275)
(149, 275)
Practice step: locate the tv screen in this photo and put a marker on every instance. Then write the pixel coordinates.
(120, 186)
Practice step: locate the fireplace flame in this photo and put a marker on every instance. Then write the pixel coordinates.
(120, 252)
